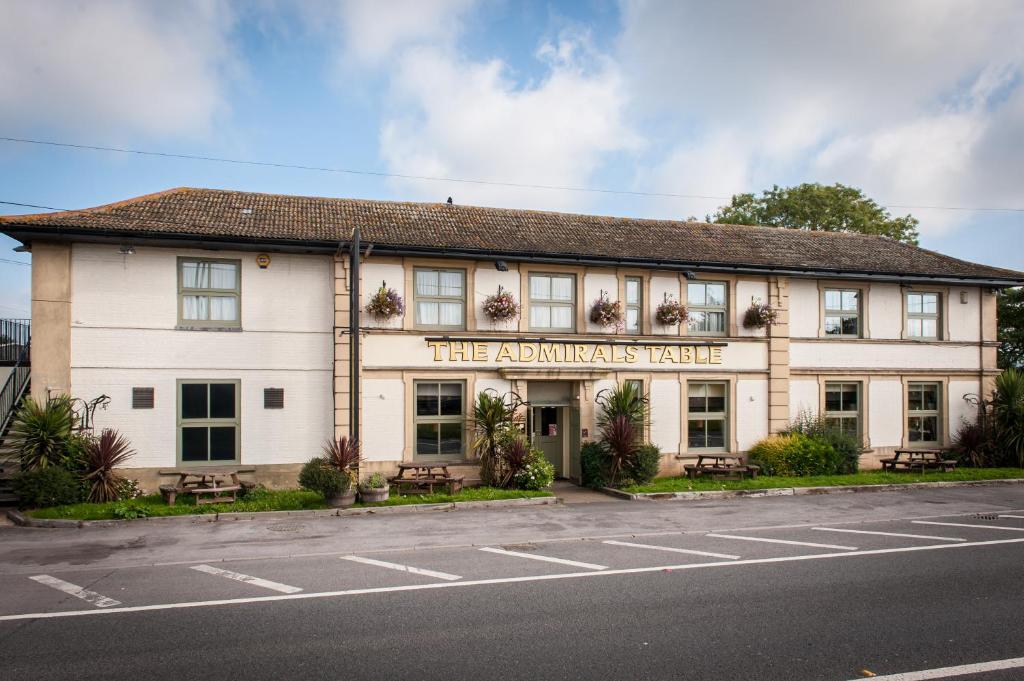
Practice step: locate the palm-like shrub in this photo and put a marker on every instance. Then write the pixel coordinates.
(343, 453)
(103, 455)
(624, 399)
(40, 432)
(622, 439)
(620, 422)
(971, 444)
(1008, 414)
(493, 416)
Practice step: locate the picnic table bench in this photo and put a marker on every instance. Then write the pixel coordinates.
(209, 485)
(423, 477)
(920, 459)
(721, 466)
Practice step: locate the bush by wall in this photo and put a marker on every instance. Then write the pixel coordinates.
(645, 464)
(536, 474)
(816, 426)
(49, 486)
(796, 454)
(594, 465)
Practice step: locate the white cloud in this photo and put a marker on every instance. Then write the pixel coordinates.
(114, 67)
(374, 30)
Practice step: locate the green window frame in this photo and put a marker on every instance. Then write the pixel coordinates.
(708, 305)
(209, 293)
(842, 312)
(634, 304)
(209, 425)
(924, 314)
(439, 298)
(439, 420)
(924, 414)
(707, 416)
(552, 302)
(843, 407)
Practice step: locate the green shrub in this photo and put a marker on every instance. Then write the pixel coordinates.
(594, 465)
(817, 426)
(129, 510)
(645, 464)
(375, 481)
(320, 475)
(40, 432)
(538, 473)
(50, 486)
(796, 454)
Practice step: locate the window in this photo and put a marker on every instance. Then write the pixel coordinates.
(208, 426)
(707, 307)
(634, 297)
(842, 407)
(923, 315)
(552, 302)
(842, 312)
(707, 415)
(923, 400)
(209, 293)
(440, 299)
(439, 419)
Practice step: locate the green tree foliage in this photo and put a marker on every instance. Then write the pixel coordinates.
(835, 208)
(1011, 328)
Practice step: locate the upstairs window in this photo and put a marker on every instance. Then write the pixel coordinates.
(209, 293)
(842, 312)
(553, 302)
(706, 303)
(923, 316)
(440, 299)
(634, 298)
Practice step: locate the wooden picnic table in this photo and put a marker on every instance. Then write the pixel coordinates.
(721, 465)
(424, 476)
(209, 484)
(911, 459)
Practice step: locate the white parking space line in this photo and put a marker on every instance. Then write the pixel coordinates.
(946, 672)
(546, 559)
(887, 534)
(783, 541)
(78, 592)
(248, 579)
(504, 580)
(671, 549)
(402, 568)
(980, 527)
(1018, 517)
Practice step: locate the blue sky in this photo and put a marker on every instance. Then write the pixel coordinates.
(692, 98)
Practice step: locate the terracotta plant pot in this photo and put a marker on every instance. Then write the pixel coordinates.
(343, 500)
(374, 495)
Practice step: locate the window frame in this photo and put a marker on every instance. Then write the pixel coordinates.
(638, 305)
(857, 314)
(209, 292)
(937, 317)
(417, 419)
(936, 413)
(844, 414)
(723, 308)
(417, 299)
(208, 423)
(551, 303)
(723, 416)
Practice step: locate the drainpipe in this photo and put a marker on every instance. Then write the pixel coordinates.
(353, 329)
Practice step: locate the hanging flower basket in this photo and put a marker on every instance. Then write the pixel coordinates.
(606, 312)
(671, 312)
(385, 303)
(759, 315)
(501, 307)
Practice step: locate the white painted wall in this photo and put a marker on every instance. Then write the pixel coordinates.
(666, 429)
(964, 318)
(593, 284)
(803, 397)
(383, 431)
(752, 412)
(885, 311)
(881, 355)
(487, 282)
(374, 274)
(885, 412)
(803, 308)
(660, 287)
(747, 291)
(500, 386)
(961, 410)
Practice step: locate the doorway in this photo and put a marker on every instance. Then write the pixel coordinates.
(549, 435)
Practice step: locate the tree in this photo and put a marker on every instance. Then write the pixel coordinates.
(1010, 310)
(835, 208)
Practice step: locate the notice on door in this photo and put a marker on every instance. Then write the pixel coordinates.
(552, 430)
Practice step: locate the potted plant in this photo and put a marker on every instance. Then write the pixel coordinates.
(343, 454)
(759, 315)
(374, 489)
(501, 307)
(607, 313)
(671, 312)
(386, 303)
(320, 475)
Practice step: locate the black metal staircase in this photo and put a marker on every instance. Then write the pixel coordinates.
(15, 371)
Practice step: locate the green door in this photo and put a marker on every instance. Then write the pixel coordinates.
(548, 434)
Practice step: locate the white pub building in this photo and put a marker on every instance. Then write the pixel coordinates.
(218, 324)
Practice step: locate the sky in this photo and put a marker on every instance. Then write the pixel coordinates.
(920, 103)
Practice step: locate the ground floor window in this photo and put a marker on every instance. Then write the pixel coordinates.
(923, 411)
(707, 415)
(440, 419)
(842, 407)
(208, 424)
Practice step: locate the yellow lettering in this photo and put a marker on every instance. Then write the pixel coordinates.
(547, 353)
(458, 350)
(686, 354)
(436, 345)
(601, 351)
(479, 352)
(527, 352)
(716, 355)
(505, 352)
(631, 354)
(670, 356)
(655, 350)
(581, 353)
(702, 355)
(617, 354)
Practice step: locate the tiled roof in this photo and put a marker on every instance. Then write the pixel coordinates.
(271, 217)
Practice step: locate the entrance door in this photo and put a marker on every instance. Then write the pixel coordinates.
(548, 434)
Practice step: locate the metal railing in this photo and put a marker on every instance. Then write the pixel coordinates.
(15, 343)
